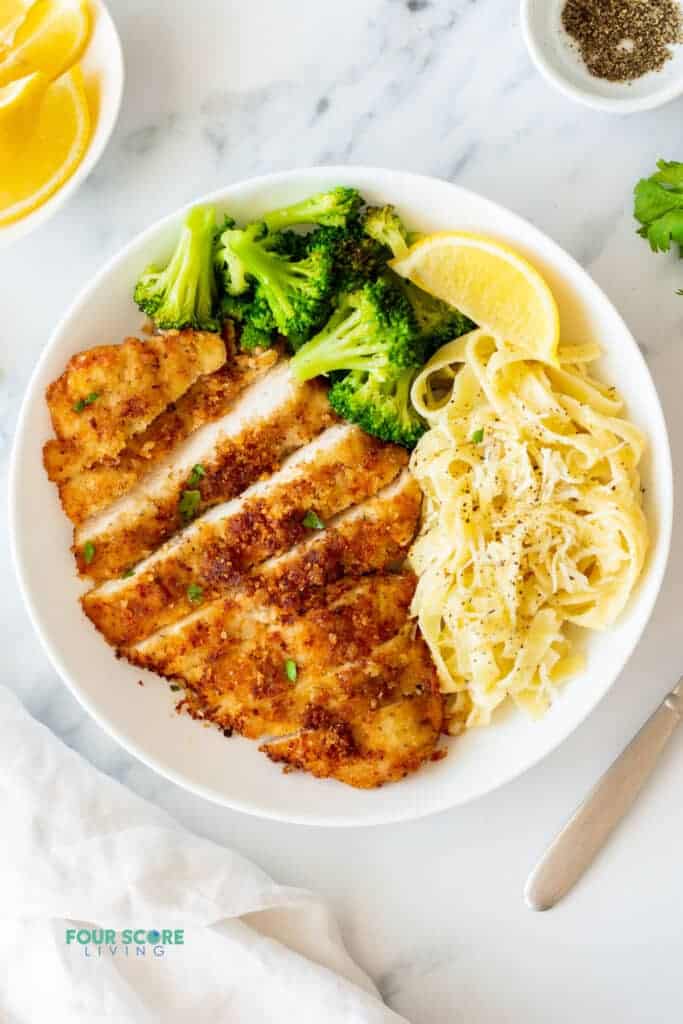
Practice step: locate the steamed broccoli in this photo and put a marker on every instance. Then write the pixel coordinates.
(252, 337)
(252, 313)
(288, 243)
(356, 258)
(384, 225)
(297, 291)
(183, 293)
(258, 325)
(380, 404)
(438, 322)
(332, 208)
(373, 329)
(236, 306)
(227, 222)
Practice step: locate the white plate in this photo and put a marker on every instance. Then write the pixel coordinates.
(233, 772)
(103, 71)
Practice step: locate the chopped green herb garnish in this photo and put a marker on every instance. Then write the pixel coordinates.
(291, 671)
(478, 436)
(194, 593)
(127, 573)
(88, 552)
(175, 687)
(188, 506)
(83, 403)
(197, 473)
(312, 521)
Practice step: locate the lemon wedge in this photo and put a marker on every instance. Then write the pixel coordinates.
(44, 133)
(50, 39)
(490, 283)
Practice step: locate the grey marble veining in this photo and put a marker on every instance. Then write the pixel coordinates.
(217, 91)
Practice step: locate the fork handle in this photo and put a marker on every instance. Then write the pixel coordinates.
(586, 832)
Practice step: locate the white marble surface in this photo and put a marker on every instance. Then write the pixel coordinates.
(217, 91)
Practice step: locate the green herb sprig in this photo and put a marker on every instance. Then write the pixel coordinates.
(658, 205)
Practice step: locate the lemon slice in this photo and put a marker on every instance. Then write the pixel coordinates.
(492, 284)
(12, 13)
(44, 133)
(19, 103)
(50, 39)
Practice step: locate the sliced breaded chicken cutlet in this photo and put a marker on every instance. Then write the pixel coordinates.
(245, 542)
(109, 393)
(265, 424)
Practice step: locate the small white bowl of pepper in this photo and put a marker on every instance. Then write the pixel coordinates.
(621, 56)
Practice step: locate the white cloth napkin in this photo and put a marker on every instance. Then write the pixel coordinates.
(78, 850)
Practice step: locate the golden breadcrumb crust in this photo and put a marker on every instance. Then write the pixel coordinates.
(91, 490)
(109, 393)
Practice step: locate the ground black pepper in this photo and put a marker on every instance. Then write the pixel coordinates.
(620, 40)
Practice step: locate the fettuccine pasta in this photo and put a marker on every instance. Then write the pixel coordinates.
(532, 519)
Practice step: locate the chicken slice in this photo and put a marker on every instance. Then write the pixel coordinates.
(268, 422)
(237, 668)
(362, 702)
(371, 721)
(86, 492)
(368, 749)
(109, 393)
(340, 468)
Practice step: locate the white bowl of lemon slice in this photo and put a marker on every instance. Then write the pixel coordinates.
(61, 83)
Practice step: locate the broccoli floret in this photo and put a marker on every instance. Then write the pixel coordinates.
(298, 292)
(227, 222)
(373, 330)
(228, 264)
(259, 313)
(252, 313)
(332, 208)
(438, 322)
(183, 293)
(288, 243)
(384, 225)
(380, 405)
(236, 307)
(252, 337)
(258, 327)
(356, 258)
